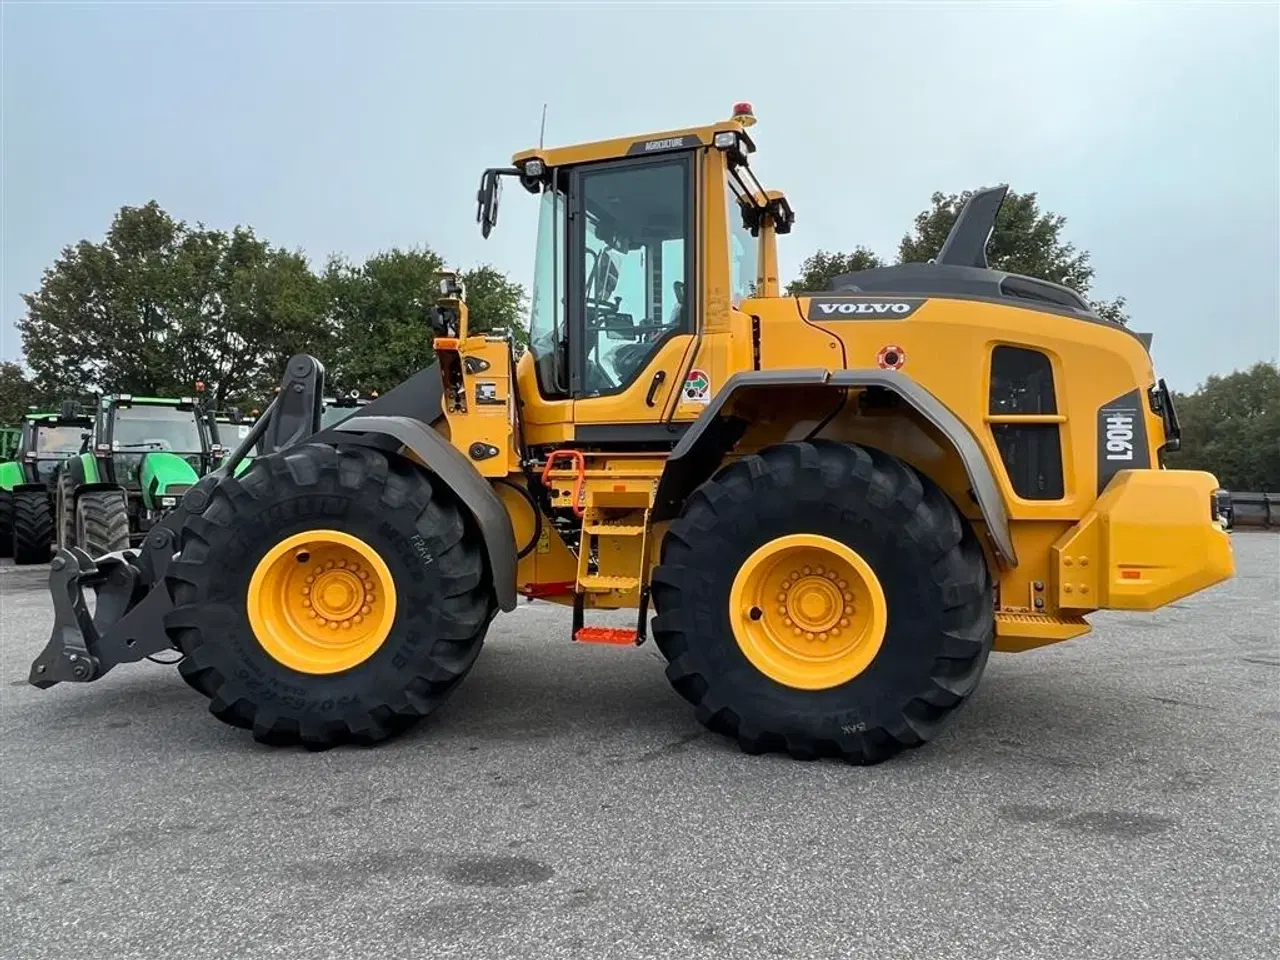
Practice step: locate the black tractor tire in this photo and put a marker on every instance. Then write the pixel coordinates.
(939, 598)
(64, 507)
(436, 556)
(6, 523)
(102, 522)
(32, 527)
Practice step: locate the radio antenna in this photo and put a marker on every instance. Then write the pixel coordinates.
(542, 130)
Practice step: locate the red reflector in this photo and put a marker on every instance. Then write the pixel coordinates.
(1131, 574)
(604, 635)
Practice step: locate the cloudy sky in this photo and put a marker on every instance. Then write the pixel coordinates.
(1154, 128)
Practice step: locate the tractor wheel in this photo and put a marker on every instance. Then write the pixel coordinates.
(32, 527)
(823, 599)
(328, 596)
(6, 523)
(102, 522)
(64, 508)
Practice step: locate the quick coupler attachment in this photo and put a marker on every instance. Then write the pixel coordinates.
(126, 625)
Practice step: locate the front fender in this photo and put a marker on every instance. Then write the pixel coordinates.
(10, 475)
(714, 433)
(439, 456)
(161, 473)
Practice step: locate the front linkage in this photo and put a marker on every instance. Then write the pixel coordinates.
(128, 622)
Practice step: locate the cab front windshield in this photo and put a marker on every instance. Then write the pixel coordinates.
(143, 429)
(58, 441)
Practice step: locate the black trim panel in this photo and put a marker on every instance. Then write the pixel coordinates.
(1122, 437)
(629, 433)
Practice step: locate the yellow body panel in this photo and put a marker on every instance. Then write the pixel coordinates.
(1143, 544)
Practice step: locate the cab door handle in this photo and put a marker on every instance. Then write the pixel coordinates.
(658, 377)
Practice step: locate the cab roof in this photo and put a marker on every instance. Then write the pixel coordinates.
(637, 145)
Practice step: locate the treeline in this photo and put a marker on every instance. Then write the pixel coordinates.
(160, 304)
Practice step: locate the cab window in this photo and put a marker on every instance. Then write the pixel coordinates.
(633, 236)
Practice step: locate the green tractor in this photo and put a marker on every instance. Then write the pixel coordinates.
(143, 455)
(45, 442)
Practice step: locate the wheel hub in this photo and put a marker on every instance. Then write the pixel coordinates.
(321, 601)
(808, 611)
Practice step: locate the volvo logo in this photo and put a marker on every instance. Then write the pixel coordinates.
(822, 308)
(897, 307)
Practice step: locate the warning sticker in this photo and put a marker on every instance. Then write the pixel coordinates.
(891, 357)
(697, 386)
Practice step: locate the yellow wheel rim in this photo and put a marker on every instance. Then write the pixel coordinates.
(321, 602)
(808, 611)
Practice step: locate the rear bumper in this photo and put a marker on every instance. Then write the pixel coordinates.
(1153, 537)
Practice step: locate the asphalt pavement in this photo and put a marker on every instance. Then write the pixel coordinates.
(1116, 796)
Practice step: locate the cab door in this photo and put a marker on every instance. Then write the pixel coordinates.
(632, 281)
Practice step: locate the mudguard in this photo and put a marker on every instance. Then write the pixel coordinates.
(164, 474)
(713, 434)
(10, 475)
(441, 458)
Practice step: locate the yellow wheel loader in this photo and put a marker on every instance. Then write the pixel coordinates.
(837, 504)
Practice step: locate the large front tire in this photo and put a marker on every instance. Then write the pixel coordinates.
(858, 656)
(241, 610)
(102, 522)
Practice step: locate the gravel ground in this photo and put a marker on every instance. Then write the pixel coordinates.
(1115, 796)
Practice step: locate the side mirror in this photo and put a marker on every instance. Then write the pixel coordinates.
(487, 198)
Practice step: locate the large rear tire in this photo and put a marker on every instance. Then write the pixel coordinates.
(32, 527)
(102, 522)
(877, 671)
(242, 600)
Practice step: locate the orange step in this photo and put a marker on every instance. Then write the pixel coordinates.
(616, 635)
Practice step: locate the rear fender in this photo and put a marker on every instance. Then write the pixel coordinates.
(703, 447)
(423, 444)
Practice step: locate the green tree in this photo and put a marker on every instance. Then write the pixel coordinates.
(820, 269)
(160, 304)
(1025, 240)
(1231, 428)
(17, 393)
(380, 312)
(495, 302)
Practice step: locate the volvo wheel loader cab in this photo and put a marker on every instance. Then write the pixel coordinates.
(143, 455)
(45, 442)
(837, 504)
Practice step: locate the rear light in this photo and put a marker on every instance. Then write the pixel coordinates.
(1220, 508)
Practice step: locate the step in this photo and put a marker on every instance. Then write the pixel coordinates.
(614, 635)
(603, 528)
(594, 581)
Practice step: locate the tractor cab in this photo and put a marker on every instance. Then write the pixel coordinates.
(47, 439)
(646, 248)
